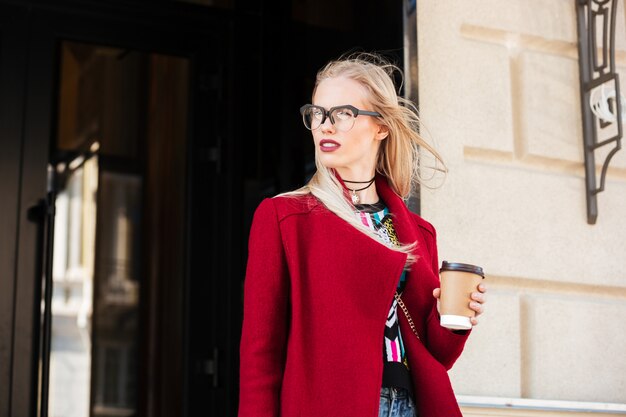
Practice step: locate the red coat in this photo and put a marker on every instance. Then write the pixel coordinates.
(316, 297)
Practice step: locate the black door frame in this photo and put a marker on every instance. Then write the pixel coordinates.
(13, 39)
(30, 36)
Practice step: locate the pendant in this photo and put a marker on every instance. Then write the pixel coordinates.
(355, 198)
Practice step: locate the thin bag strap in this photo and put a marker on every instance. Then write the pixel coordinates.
(407, 315)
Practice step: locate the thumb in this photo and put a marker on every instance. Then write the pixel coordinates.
(437, 293)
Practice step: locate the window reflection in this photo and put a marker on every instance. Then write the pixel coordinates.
(120, 157)
(117, 295)
(73, 275)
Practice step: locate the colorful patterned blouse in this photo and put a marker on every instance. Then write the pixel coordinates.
(395, 365)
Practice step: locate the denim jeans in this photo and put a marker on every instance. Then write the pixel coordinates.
(396, 402)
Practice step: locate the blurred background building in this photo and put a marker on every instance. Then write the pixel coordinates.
(154, 128)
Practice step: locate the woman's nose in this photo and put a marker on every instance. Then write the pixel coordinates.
(327, 126)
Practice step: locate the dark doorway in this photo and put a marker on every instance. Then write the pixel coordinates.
(155, 128)
(112, 121)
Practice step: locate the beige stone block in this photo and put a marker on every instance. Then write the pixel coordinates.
(550, 107)
(468, 86)
(575, 348)
(476, 104)
(490, 364)
(554, 19)
(527, 223)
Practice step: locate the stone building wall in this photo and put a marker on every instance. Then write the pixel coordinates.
(499, 97)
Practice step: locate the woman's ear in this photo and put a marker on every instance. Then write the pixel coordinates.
(383, 132)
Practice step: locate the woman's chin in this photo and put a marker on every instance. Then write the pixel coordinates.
(329, 161)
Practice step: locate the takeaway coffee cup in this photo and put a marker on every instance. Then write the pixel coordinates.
(458, 281)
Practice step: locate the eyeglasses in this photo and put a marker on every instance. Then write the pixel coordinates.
(342, 117)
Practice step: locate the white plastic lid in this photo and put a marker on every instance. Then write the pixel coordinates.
(456, 322)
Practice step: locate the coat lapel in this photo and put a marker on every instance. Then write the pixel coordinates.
(405, 228)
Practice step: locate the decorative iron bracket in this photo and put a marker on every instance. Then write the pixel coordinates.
(596, 61)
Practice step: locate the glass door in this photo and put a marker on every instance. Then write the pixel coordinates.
(119, 169)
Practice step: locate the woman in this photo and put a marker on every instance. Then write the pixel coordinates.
(322, 333)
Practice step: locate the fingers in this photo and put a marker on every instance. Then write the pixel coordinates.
(476, 304)
(478, 310)
(477, 307)
(478, 297)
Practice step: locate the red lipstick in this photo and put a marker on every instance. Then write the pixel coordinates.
(329, 145)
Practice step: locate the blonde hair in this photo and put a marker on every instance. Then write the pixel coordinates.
(398, 154)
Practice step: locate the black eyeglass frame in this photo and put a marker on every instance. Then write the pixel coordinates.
(327, 113)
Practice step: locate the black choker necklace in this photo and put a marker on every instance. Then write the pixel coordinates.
(355, 198)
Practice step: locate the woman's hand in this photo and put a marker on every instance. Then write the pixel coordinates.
(476, 304)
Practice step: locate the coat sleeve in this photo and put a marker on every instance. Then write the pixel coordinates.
(446, 346)
(265, 317)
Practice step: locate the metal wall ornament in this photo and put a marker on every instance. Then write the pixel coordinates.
(601, 100)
